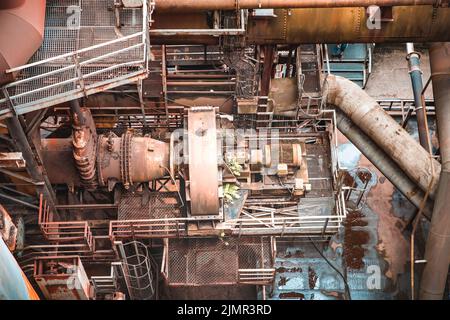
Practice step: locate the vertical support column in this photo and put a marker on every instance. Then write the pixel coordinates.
(437, 250)
(269, 54)
(415, 73)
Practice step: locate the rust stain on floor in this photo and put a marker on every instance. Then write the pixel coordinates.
(354, 240)
(292, 295)
(392, 244)
(312, 277)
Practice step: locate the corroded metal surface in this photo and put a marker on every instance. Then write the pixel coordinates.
(131, 159)
(84, 147)
(365, 112)
(22, 25)
(323, 25)
(203, 171)
(62, 278)
(194, 5)
(437, 251)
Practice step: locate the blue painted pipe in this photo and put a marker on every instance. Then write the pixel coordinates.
(417, 85)
(13, 286)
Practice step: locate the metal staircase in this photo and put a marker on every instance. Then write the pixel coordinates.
(351, 61)
(89, 46)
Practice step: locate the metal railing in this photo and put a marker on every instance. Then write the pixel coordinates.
(284, 226)
(217, 31)
(147, 229)
(79, 73)
(58, 232)
(256, 276)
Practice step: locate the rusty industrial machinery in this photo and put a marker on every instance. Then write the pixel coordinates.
(148, 147)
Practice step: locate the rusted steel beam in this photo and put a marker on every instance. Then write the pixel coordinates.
(96, 206)
(437, 250)
(200, 83)
(269, 54)
(302, 26)
(195, 5)
(203, 171)
(84, 144)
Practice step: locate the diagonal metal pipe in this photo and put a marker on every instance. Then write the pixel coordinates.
(382, 162)
(395, 141)
(437, 250)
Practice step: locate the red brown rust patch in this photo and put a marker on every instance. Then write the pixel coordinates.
(283, 269)
(283, 281)
(312, 276)
(290, 295)
(354, 239)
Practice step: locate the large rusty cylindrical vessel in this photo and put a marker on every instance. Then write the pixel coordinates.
(22, 31)
(131, 159)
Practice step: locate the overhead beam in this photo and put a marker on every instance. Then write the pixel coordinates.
(198, 5)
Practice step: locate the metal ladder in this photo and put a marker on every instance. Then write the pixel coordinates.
(309, 63)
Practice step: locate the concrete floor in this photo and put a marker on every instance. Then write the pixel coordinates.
(390, 77)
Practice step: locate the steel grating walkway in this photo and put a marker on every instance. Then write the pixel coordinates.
(212, 261)
(83, 52)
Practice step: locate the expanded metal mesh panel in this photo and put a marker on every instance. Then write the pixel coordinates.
(255, 254)
(195, 262)
(76, 24)
(71, 26)
(159, 205)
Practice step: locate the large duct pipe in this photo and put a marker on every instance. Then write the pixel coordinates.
(101, 159)
(437, 250)
(312, 25)
(195, 5)
(130, 159)
(383, 163)
(365, 112)
(22, 31)
(84, 139)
